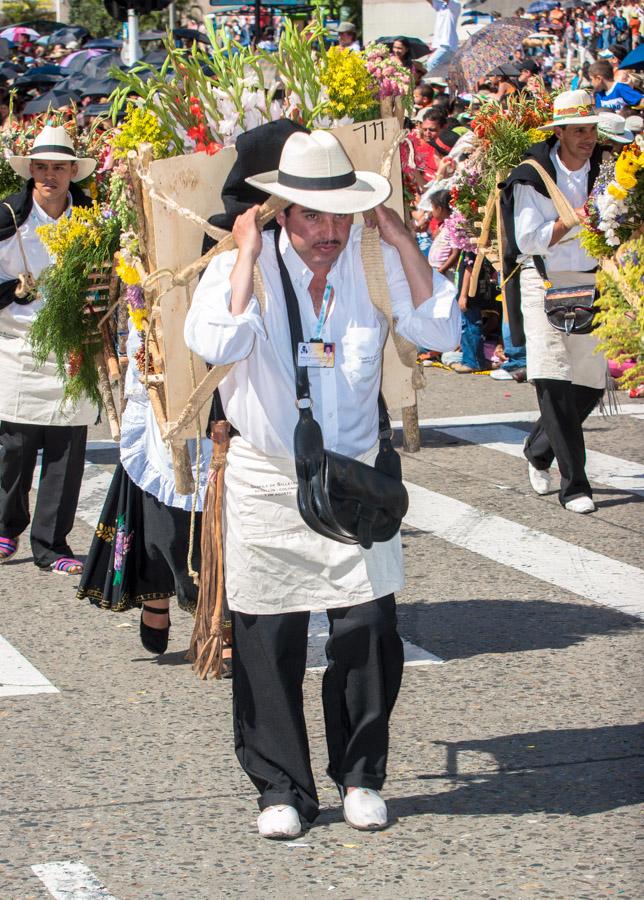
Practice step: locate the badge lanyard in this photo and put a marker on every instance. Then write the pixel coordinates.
(323, 311)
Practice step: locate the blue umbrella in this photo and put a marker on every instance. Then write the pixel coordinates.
(541, 6)
(634, 59)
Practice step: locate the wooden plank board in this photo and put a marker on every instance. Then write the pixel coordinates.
(195, 183)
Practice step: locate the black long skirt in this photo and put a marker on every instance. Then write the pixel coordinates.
(139, 551)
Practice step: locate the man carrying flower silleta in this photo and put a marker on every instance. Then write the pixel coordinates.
(33, 415)
(549, 281)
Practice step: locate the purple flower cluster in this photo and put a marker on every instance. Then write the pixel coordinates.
(134, 296)
(457, 233)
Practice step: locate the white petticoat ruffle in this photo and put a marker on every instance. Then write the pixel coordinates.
(147, 460)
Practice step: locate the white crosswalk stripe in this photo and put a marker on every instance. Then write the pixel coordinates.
(71, 880)
(580, 571)
(18, 676)
(600, 467)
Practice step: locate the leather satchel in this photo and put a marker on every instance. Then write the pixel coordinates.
(339, 497)
(570, 310)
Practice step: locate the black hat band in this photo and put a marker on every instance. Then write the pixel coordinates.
(329, 183)
(52, 148)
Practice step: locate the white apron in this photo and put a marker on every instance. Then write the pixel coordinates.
(274, 563)
(550, 353)
(29, 394)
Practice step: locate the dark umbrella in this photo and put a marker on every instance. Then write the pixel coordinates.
(5, 49)
(42, 26)
(155, 58)
(190, 34)
(492, 46)
(54, 99)
(68, 33)
(418, 47)
(77, 60)
(9, 69)
(634, 60)
(97, 87)
(36, 77)
(101, 65)
(103, 44)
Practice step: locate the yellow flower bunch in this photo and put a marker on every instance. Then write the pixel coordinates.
(626, 168)
(139, 317)
(126, 272)
(82, 228)
(629, 163)
(351, 89)
(140, 126)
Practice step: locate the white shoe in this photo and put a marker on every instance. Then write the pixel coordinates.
(581, 505)
(539, 479)
(280, 823)
(365, 810)
(501, 375)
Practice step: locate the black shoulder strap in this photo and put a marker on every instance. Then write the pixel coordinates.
(302, 386)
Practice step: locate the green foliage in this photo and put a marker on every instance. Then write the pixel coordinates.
(10, 183)
(620, 322)
(14, 11)
(91, 14)
(62, 326)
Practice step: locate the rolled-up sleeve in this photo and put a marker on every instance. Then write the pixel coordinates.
(211, 330)
(532, 228)
(436, 323)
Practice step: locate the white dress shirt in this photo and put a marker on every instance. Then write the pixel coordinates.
(12, 264)
(535, 216)
(445, 33)
(259, 393)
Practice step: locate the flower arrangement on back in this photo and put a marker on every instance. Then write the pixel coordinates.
(616, 206)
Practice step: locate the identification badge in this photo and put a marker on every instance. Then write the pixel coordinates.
(316, 355)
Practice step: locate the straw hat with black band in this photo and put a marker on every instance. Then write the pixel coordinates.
(315, 172)
(572, 108)
(53, 144)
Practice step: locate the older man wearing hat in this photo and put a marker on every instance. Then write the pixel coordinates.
(277, 569)
(543, 251)
(33, 416)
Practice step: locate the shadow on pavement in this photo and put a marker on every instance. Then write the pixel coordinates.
(460, 629)
(576, 772)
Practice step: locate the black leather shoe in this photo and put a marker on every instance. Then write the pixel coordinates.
(155, 640)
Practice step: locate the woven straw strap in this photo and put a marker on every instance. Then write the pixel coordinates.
(376, 277)
(564, 210)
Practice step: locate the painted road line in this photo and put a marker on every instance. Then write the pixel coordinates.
(69, 880)
(18, 676)
(531, 415)
(319, 632)
(93, 492)
(620, 474)
(583, 572)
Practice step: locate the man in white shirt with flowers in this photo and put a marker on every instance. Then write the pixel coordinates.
(278, 571)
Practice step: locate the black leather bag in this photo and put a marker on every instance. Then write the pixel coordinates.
(570, 310)
(339, 497)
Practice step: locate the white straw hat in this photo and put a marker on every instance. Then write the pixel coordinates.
(572, 108)
(314, 171)
(613, 126)
(53, 144)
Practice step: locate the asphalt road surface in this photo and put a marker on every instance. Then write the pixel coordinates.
(516, 757)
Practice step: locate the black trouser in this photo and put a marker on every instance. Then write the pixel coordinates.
(63, 460)
(359, 690)
(559, 433)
